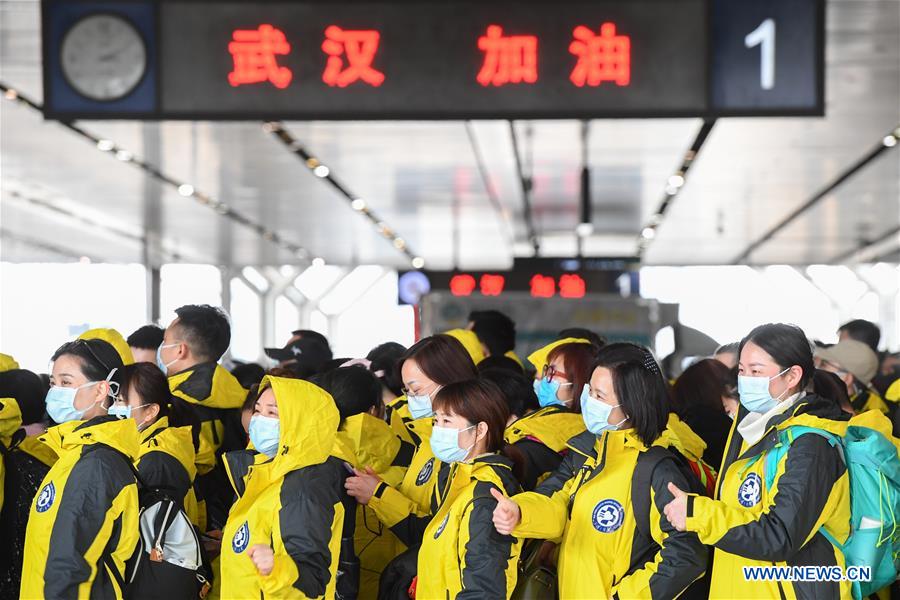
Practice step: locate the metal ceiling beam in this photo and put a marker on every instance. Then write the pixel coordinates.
(883, 146)
(527, 184)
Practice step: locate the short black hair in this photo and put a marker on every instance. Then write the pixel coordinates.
(639, 386)
(580, 332)
(205, 329)
(354, 389)
(786, 344)
(829, 385)
(148, 337)
(385, 358)
(863, 331)
(314, 335)
(248, 373)
(29, 392)
(500, 362)
(495, 330)
(97, 359)
(517, 389)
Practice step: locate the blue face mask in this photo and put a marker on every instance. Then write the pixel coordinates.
(264, 434)
(754, 393)
(596, 413)
(445, 444)
(123, 411)
(546, 390)
(164, 367)
(61, 400)
(419, 406)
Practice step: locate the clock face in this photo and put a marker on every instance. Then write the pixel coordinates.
(103, 57)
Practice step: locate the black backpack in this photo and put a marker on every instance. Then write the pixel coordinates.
(169, 562)
(640, 501)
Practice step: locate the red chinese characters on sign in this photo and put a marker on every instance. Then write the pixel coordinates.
(358, 48)
(543, 286)
(604, 57)
(492, 285)
(507, 59)
(254, 53)
(571, 286)
(462, 285)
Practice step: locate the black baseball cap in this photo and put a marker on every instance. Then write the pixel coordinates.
(308, 353)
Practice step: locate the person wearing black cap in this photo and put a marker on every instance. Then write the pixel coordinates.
(306, 355)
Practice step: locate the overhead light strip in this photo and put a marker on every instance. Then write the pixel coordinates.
(887, 142)
(185, 189)
(674, 185)
(358, 204)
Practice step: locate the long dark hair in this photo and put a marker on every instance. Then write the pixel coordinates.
(701, 387)
(578, 360)
(153, 387)
(640, 387)
(786, 344)
(442, 358)
(478, 400)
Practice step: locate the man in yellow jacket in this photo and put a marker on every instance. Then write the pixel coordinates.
(283, 535)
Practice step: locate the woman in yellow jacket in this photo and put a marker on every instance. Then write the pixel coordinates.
(608, 549)
(83, 524)
(750, 525)
(461, 555)
(283, 535)
(427, 366)
(169, 433)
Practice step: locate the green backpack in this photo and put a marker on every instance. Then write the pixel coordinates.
(874, 470)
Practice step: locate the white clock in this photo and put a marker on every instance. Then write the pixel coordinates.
(103, 57)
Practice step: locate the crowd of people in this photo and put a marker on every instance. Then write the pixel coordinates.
(141, 467)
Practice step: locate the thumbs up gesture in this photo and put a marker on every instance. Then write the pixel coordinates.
(676, 510)
(507, 514)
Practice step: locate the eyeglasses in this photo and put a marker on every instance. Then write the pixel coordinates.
(549, 372)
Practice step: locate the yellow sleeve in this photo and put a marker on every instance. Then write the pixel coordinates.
(543, 517)
(391, 506)
(712, 519)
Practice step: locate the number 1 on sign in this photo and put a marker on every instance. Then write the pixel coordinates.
(764, 37)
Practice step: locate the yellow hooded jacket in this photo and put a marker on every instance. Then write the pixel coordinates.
(211, 390)
(538, 358)
(462, 555)
(587, 502)
(750, 525)
(10, 422)
(291, 503)
(369, 441)
(84, 520)
(867, 400)
(166, 460)
(542, 437)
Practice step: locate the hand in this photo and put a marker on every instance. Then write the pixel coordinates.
(362, 485)
(35, 429)
(263, 558)
(507, 514)
(676, 510)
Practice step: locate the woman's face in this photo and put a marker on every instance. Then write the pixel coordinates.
(92, 399)
(416, 382)
(756, 362)
(602, 389)
(557, 366)
(469, 436)
(266, 404)
(143, 413)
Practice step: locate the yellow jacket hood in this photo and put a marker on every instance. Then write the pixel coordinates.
(175, 441)
(470, 342)
(373, 442)
(7, 363)
(308, 423)
(208, 384)
(10, 420)
(553, 426)
(539, 357)
(680, 436)
(120, 434)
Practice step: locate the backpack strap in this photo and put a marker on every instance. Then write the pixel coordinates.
(786, 437)
(641, 483)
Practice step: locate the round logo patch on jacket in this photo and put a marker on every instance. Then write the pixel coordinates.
(45, 498)
(241, 538)
(608, 516)
(425, 473)
(441, 527)
(750, 491)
